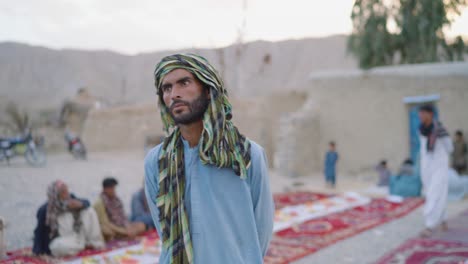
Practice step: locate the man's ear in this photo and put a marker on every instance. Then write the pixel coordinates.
(207, 92)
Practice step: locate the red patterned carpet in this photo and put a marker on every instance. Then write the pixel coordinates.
(442, 247)
(427, 251)
(24, 256)
(294, 243)
(295, 198)
(301, 240)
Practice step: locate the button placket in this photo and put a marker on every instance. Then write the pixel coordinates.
(194, 192)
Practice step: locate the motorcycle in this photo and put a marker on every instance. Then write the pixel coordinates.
(75, 146)
(32, 149)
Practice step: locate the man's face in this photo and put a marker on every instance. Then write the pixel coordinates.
(64, 194)
(425, 117)
(184, 96)
(110, 191)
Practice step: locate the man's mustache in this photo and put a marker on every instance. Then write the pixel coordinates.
(176, 102)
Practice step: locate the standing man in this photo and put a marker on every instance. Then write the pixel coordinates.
(436, 147)
(330, 165)
(459, 153)
(207, 185)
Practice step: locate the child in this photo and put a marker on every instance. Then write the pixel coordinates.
(384, 173)
(330, 165)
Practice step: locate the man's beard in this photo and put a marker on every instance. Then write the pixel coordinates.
(196, 108)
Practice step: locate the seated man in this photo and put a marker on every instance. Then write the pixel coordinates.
(65, 224)
(457, 186)
(384, 173)
(406, 183)
(140, 209)
(111, 214)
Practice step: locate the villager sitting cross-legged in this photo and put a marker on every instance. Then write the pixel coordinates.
(111, 214)
(65, 224)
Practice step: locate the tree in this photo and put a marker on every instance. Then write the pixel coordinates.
(17, 121)
(417, 37)
(370, 39)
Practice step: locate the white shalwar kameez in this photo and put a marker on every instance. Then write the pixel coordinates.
(434, 176)
(69, 242)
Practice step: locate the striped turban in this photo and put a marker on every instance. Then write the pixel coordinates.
(221, 145)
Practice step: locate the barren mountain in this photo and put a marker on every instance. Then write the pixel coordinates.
(38, 77)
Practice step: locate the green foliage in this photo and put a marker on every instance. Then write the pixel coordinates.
(417, 36)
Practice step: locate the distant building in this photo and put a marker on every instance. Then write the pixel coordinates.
(368, 113)
(371, 115)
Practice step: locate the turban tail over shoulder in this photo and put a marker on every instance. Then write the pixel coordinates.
(221, 145)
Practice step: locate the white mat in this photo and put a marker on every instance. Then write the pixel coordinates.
(297, 214)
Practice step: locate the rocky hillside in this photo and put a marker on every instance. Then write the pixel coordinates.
(38, 77)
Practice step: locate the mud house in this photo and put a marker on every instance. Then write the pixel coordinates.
(372, 115)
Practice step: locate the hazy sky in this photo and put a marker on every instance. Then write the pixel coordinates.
(148, 25)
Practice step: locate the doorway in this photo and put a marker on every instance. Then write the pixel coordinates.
(414, 103)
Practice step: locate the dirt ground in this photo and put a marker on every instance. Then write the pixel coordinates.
(23, 190)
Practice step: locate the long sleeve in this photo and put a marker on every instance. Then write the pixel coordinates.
(85, 202)
(262, 199)
(151, 186)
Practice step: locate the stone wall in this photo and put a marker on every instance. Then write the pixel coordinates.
(298, 140)
(123, 127)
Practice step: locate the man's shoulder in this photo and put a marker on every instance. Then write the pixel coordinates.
(257, 152)
(42, 209)
(98, 202)
(152, 155)
(255, 148)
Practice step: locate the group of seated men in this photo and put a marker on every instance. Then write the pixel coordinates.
(406, 183)
(67, 224)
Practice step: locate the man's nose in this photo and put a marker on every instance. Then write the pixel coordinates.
(176, 93)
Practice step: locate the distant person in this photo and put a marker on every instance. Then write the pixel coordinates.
(384, 174)
(111, 214)
(458, 186)
(406, 183)
(207, 185)
(436, 147)
(460, 151)
(140, 209)
(74, 112)
(407, 168)
(65, 224)
(331, 158)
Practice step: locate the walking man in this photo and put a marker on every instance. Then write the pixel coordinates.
(436, 146)
(207, 185)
